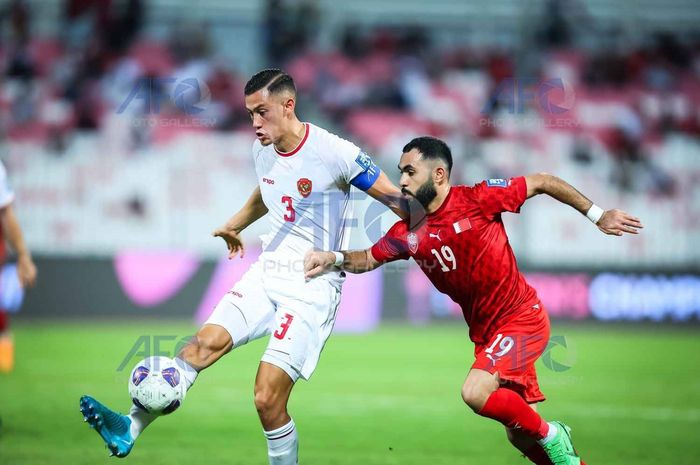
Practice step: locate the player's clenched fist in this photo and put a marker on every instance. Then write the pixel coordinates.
(617, 222)
(232, 239)
(315, 263)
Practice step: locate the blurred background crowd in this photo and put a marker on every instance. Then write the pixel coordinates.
(122, 123)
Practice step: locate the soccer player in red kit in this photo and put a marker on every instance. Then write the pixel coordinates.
(458, 239)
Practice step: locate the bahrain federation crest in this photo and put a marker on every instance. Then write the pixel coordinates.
(413, 242)
(304, 185)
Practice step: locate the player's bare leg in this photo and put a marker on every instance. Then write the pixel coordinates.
(483, 393)
(206, 347)
(272, 389)
(478, 387)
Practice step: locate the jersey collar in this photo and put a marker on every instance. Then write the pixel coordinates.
(442, 206)
(298, 147)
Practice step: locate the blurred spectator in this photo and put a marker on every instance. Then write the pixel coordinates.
(18, 16)
(634, 170)
(388, 73)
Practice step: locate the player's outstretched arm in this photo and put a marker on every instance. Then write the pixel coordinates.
(356, 261)
(253, 210)
(614, 222)
(387, 193)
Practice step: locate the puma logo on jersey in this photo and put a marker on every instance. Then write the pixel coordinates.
(268, 181)
(436, 236)
(236, 293)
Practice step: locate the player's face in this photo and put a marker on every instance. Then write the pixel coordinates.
(269, 113)
(417, 177)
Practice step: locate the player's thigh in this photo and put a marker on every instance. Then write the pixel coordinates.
(303, 323)
(245, 312)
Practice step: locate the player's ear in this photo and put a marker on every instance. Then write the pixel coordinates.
(439, 175)
(289, 104)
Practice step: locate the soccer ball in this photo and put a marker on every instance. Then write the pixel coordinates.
(157, 386)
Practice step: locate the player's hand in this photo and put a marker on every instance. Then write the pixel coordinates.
(26, 271)
(315, 263)
(232, 239)
(617, 222)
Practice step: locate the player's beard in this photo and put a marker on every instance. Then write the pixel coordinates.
(426, 193)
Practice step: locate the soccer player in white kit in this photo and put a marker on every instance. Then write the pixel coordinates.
(304, 177)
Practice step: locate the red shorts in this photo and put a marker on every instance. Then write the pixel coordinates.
(513, 350)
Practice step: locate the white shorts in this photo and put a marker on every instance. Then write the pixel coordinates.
(299, 315)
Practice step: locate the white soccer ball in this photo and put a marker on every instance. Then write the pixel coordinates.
(157, 386)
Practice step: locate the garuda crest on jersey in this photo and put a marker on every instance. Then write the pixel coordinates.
(304, 185)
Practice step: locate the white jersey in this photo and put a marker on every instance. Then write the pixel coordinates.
(6, 193)
(307, 193)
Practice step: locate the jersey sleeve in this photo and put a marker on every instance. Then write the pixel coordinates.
(501, 195)
(7, 195)
(351, 165)
(393, 245)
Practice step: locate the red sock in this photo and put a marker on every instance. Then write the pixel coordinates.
(512, 411)
(538, 456)
(4, 323)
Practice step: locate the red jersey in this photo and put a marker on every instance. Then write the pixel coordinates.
(463, 249)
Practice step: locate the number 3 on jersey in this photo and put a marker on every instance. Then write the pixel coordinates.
(290, 214)
(284, 327)
(446, 253)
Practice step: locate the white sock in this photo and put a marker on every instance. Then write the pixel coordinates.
(140, 419)
(550, 434)
(283, 445)
(187, 371)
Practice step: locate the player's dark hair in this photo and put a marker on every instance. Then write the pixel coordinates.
(432, 148)
(274, 79)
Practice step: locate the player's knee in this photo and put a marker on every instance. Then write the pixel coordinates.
(472, 396)
(267, 401)
(475, 395)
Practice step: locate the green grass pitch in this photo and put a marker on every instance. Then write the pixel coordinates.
(632, 397)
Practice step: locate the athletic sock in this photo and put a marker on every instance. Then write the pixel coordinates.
(507, 407)
(140, 419)
(551, 434)
(187, 371)
(283, 445)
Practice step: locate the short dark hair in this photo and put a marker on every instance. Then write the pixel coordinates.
(274, 79)
(432, 148)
